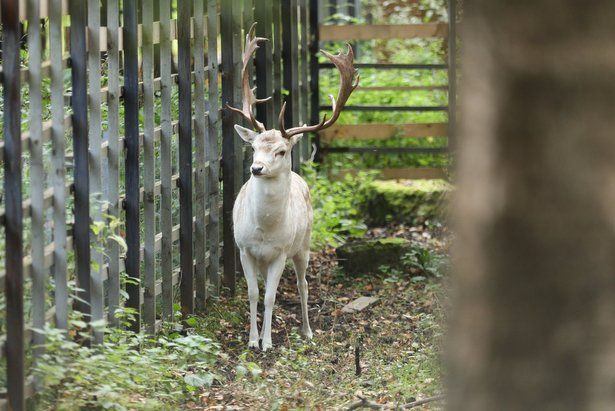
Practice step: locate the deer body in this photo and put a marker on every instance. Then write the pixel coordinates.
(272, 220)
(272, 215)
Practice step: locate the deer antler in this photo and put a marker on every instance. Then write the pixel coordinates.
(249, 98)
(343, 62)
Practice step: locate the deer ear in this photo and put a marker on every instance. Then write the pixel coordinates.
(295, 139)
(246, 134)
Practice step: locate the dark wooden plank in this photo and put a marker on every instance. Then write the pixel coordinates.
(185, 158)
(229, 33)
(12, 199)
(382, 31)
(149, 170)
(131, 145)
(291, 71)
(200, 130)
(314, 73)
(452, 71)
(276, 36)
(264, 66)
(37, 177)
(97, 303)
(303, 77)
(212, 150)
(113, 153)
(382, 131)
(58, 166)
(81, 228)
(166, 171)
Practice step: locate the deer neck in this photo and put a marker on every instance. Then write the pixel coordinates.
(270, 199)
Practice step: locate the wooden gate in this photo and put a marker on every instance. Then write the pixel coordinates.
(347, 133)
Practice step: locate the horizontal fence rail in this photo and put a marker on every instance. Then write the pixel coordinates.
(338, 140)
(382, 31)
(131, 161)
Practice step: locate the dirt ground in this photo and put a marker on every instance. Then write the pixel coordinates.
(387, 353)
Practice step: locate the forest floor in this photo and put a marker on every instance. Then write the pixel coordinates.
(398, 338)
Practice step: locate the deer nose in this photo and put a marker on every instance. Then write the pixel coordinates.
(257, 170)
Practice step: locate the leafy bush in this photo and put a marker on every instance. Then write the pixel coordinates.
(335, 203)
(127, 371)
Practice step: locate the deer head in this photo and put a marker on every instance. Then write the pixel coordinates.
(272, 147)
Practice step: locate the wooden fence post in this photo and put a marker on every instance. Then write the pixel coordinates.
(452, 71)
(314, 74)
(185, 159)
(81, 187)
(230, 24)
(200, 130)
(166, 132)
(149, 169)
(58, 166)
(211, 151)
(12, 199)
(264, 66)
(291, 71)
(94, 165)
(131, 121)
(276, 36)
(37, 175)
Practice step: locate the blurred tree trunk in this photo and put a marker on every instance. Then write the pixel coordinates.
(533, 320)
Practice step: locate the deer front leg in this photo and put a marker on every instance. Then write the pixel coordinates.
(250, 272)
(301, 262)
(274, 273)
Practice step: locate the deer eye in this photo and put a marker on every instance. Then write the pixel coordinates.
(281, 153)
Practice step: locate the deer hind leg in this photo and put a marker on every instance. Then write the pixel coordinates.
(301, 261)
(274, 273)
(251, 273)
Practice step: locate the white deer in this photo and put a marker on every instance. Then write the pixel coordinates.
(272, 215)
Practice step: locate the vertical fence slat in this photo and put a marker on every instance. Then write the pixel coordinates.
(452, 71)
(200, 137)
(149, 172)
(113, 121)
(290, 75)
(166, 222)
(228, 142)
(131, 124)
(264, 65)
(94, 137)
(314, 73)
(211, 151)
(303, 75)
(277, 54)
(81, 186)
(37, 174)
(185, 158)
(57, 165)
(247, 20)
(12, 199)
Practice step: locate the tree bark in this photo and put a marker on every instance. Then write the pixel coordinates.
(533, 319)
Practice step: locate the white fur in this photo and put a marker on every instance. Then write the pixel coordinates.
(272, 220)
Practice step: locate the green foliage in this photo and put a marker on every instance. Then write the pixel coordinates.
(335, 204)
(127, 371)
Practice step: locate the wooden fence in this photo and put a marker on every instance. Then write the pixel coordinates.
(114, 141)
(384, 131)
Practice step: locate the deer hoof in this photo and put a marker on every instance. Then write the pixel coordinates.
(307, 334)
(253, 344)
(267, 345)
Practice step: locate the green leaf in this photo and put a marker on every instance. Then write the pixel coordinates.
(199, 380)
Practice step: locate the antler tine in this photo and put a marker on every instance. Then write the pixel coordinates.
(249, 96)
(349, 80)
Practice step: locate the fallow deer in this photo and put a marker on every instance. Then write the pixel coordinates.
(272, 215)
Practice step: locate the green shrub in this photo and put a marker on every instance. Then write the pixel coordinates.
(336, 206)
(128, 371)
